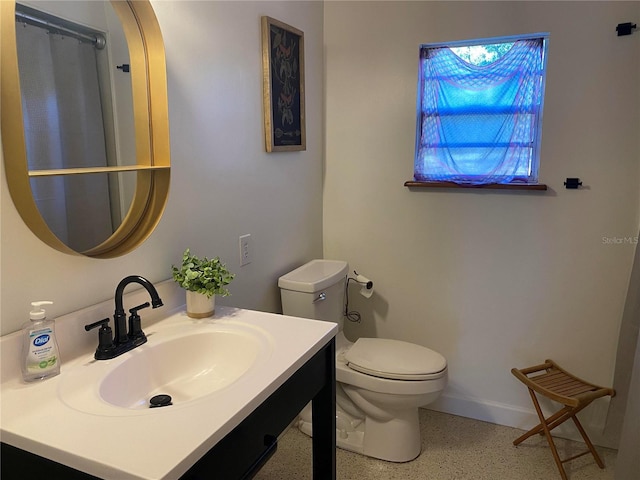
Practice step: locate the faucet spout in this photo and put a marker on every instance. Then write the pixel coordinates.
(120, 317)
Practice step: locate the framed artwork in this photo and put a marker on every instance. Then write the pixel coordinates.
(283, 86)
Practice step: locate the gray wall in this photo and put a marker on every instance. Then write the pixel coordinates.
(223, 183)
(492, 280)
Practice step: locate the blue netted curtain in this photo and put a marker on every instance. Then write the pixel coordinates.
(479, 124)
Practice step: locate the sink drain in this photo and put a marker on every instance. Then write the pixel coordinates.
(160, 401)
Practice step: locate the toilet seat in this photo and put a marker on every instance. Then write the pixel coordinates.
(394, 359)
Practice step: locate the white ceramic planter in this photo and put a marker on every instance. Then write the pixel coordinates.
(199, 306)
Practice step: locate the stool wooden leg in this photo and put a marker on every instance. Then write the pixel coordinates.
(547, 433)
(587, 441)
(552, 422)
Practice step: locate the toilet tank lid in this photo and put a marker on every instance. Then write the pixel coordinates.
(394, 358)
(314, 276)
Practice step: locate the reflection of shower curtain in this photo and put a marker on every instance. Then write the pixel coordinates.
(64, 129)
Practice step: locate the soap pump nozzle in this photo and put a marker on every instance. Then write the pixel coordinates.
(38, 313)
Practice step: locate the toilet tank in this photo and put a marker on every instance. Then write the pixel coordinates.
(315, 290)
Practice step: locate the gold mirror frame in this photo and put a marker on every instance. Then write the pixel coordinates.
(151, 119)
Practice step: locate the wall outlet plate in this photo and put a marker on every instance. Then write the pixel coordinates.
(246, 249)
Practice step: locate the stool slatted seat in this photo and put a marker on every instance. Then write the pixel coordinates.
(551, 381)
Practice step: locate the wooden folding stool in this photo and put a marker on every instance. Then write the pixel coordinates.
(575, 394)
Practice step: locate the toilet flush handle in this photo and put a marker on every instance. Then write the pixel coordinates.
(321, 297)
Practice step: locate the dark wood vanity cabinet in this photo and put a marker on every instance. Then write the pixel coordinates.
(241, 453)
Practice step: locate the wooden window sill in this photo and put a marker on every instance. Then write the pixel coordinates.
(489, 186)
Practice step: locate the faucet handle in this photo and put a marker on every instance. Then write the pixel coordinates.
(102, 323)
(105, 337)
(134, 310)
(135, 323)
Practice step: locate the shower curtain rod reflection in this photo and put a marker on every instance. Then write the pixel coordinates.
(96, 39)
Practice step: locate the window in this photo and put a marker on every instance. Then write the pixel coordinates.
(479, 111)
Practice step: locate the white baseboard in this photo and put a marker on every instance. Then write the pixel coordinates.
(514, 416)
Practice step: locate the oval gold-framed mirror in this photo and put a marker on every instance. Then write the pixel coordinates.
(151, 168)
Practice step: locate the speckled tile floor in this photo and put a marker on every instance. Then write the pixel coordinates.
(453, 448)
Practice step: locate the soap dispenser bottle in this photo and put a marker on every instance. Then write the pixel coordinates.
(40, 357)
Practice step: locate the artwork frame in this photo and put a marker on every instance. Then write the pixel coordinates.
(283, 86)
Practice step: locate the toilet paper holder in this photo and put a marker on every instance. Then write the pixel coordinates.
(367, 285)
(366, 291)
(362, 280)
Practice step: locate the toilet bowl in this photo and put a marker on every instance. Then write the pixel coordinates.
(380, 383)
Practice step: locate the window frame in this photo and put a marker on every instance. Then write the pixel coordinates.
(529, 182)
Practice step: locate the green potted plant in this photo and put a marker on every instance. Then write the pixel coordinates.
(203, 279)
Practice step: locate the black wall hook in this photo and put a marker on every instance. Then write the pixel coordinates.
(572, 183)
(625, 28)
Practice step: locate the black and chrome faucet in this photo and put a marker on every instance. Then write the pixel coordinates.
(123, 340)
(120, 317)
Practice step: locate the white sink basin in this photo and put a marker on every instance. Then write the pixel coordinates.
(188, 364)
(185, 368)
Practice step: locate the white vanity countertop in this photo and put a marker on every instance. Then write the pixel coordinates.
(154, 444)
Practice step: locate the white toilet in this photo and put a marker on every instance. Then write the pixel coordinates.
(380, 383)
